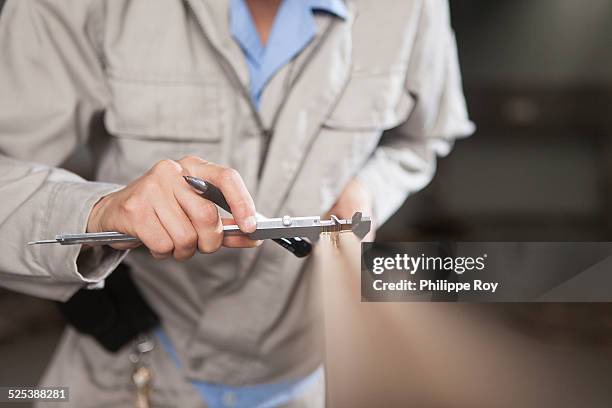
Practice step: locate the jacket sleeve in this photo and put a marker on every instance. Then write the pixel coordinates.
(51, 86)
(405, 160)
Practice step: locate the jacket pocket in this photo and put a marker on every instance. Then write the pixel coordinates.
(372, 101)
(164, 111)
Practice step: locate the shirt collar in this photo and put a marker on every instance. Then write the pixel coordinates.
(335, 7)
(294, 27)
(243, 28)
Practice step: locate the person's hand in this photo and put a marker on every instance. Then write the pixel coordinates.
(355, 197)
(167, 216)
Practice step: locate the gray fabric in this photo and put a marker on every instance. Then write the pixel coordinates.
(153, 70)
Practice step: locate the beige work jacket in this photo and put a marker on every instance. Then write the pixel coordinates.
(376, 96)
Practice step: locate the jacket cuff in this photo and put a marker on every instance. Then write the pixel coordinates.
(68, 212)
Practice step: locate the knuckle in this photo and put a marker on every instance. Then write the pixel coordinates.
(186, 239)
(158, 256)
(230, 176)
(167, 166)
(132, 206)
(192, 159)
(149, 185)
(184, 255)
(162, 247)
(208, 215)
(210, 244)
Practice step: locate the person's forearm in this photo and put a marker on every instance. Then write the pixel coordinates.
(39, 202)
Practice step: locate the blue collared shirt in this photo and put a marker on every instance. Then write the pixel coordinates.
(253, 396)
(293, 29)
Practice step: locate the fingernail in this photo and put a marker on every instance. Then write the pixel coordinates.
(250, 224)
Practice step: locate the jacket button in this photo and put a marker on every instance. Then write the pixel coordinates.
(196, 363)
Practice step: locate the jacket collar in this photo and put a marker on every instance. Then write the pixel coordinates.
(213, 16)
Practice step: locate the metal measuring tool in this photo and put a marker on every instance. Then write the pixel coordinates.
(289, 232)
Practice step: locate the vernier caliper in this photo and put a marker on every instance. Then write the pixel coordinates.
(287, 231)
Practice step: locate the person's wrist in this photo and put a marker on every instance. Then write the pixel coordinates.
(366, 193)
(362, 194)
(95, 215)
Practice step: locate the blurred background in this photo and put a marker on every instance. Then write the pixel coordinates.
(538, 82)
(537, 77)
